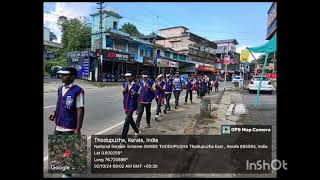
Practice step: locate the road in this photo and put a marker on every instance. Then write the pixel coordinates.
(263, 114)
(103, 110)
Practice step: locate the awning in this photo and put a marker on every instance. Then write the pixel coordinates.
(269, 47)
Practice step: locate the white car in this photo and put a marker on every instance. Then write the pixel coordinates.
(266, 84)
(237, 79)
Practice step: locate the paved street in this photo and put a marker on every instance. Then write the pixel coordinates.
(103, 111)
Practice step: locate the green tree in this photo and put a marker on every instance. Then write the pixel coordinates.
(131, 29)
(261, 58)
(76, 34)
(153, 33)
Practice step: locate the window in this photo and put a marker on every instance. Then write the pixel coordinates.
(175, 56)
(167, 54)
(141, 52)
(115, 25)
(182, 57)
(151, 53)
(146, 53)
(109, 42)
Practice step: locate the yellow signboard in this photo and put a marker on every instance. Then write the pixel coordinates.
(244, 55)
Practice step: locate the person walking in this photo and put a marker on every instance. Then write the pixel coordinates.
(216, 84)
(146, 95)
(168, 92)
(69, 112)
(189, 85)
(130, 103)
(177, 88)
(159, 94)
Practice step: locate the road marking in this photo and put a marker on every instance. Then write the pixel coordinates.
(240, 109)
(229, 111)
(49, 107)
(108, 129)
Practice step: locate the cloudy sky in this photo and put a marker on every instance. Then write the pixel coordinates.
(246, 22)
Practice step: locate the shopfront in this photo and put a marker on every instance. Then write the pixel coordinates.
(208, 70)
(117, 63)
(166, 66)
(147, 65)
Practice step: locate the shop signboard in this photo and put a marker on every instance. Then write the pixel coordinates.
(162, 63)
(190, 68)
(81, 61)
(205, 68)
(112, 55)
(148, 60)
(226, 60)
(173, 64)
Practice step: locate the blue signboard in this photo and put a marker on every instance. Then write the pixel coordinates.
(81, 61)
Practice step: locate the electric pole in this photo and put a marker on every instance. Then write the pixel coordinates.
(225, 73)
(100, 51)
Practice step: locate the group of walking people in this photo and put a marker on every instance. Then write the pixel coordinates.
(139, 94)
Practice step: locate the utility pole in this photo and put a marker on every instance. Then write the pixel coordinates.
(225, 72)
(101, 56)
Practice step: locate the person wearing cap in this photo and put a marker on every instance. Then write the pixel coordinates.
(146, 95)
(189, 84)
(69, 112)
(168, 92)
(159, 94)
(130, 103)
(177, 88)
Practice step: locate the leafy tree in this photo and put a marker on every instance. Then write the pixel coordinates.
(152, 33)
(131, 29)
(76, 34)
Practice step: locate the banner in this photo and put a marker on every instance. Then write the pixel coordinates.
(206, 68)
(112, 55)
(244, 55)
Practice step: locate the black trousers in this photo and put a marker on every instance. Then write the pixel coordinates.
(129, 121)
(176, 96)
(188, 92)
(140, 113)
(167, 97)
(158, 100)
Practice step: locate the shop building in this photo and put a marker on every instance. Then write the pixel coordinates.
(121, 52)
(227, 47)
(201, 52)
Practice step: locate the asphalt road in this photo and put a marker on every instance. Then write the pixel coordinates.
(265, 113)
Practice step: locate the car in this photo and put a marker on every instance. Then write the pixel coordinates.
(237, 79)
(54, 70)
(266, 84)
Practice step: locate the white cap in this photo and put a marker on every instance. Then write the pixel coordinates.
(145, 75)
(63, 72)
(128, 75)
(168, 75)
(160, 75)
